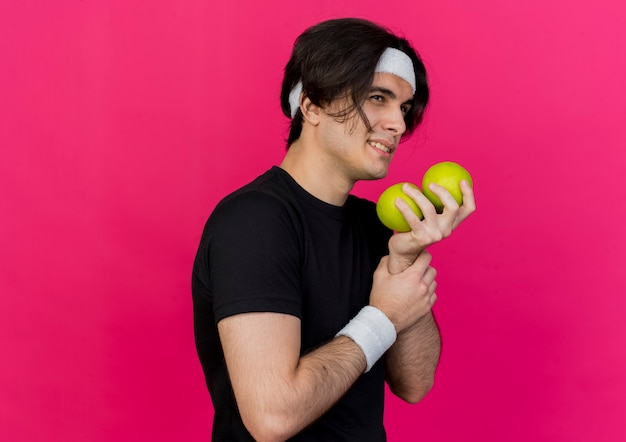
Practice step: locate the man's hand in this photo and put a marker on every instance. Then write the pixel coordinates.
(404, 248)
(407, 296)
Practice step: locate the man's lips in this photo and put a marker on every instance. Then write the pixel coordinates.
(382, 145)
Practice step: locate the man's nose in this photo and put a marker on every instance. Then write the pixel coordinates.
(394, 122)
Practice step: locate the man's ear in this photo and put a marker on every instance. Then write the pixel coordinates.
(310, 112)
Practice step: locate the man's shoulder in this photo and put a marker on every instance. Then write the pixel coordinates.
(267, 200)
(271, 185)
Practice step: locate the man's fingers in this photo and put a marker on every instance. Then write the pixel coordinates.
(425, 205)
(469, 201)
(422, 262)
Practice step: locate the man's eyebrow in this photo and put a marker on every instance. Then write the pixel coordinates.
(383, 90)
(387, 92)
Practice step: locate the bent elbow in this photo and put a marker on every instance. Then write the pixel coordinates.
(266, 428)
(415, 397)
(415, 394)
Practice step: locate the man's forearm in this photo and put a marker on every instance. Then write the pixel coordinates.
(280, 406)
(413, 359)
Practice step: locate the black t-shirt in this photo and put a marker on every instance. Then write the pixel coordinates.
(273, 247)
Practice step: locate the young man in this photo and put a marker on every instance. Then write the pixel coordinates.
(304, 303)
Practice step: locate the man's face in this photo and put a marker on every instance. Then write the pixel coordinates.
(355, 152)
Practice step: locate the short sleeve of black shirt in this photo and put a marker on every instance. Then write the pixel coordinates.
(254, 257)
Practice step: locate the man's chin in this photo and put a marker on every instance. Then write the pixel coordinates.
(377, 175)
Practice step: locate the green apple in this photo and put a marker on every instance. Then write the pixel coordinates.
(389, 214)
(449, 175)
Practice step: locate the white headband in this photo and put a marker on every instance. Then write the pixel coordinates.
(393, 61)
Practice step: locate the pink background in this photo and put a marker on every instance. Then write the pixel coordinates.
(122, 123)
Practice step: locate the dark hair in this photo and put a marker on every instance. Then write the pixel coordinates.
(337, 59)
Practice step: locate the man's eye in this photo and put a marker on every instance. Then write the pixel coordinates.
(379, 98)
(405, 109)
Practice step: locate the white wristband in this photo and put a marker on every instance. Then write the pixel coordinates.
(372, 331)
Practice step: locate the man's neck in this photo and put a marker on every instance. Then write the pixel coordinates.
(310, 171)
